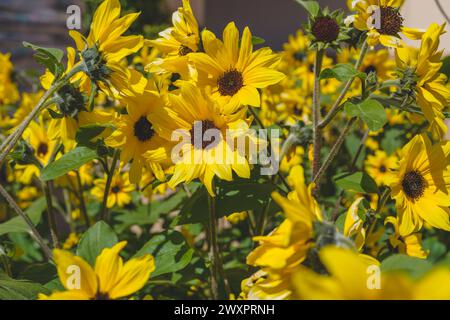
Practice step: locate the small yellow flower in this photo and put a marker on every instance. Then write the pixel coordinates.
(379, 166)
(111, 278)
(410, 244)
(71, 241)
(119, 193)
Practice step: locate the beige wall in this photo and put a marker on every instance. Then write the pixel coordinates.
(421, 13)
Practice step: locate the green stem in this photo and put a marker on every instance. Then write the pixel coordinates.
(10, 143)
(261, 125)
(337, 106)
(334, 151)
(47, 188)
(104, 210)
(33, 231)
(213, 248)
(317, 135)
(81, 198)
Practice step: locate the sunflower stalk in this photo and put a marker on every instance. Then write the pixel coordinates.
(81, 198)
(33, 231)
(213, 248)
(334, 151)
(317, 135)
(338, 105)
(9, 144)
(47, 188)
(110, 173)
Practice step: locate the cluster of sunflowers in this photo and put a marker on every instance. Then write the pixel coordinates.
(359, 208)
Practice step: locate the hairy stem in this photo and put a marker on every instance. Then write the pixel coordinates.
(9, 144)
(317, 134)
(47, 188)
(337, 106)
(334, 151)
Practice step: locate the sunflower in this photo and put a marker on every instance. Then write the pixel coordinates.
(421, 185)
(348, 278)
(27, 102)
(119, 192)
(110, 278)
(104, 49)
(296, 49)
(379, 166)
(380, 63)
(136, 136)
(410, 245)
(232, 71)
(176, 42)
(37, 135)
(189, 116)
(280, 252)
(8, 90)
(390, 25)
(421, 69)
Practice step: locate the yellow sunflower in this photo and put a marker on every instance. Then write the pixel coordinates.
(286, 247)
(421, 185)
(232, 71)
(37, 135)
(191, 117)
(119, 193)
(355, 277)
(422, 69)
(379, 166)
(410, 245)
(136, 136)
(176, 42)
(104, 49)
(8, 90)
(387, 31)
(110, 278)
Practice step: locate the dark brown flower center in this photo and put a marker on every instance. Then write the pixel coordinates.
(413, 184)
(42, 149)
(230, 82)
(143, 129)
(115, 189)
(370, 69)
(391, 21)
(383, 169)
(101, 296)
(184, 50)
(206, 125)
(326, 29)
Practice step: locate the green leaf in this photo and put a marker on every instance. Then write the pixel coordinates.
(357, 182)
(403, 263)
(257, 40)
(170, 251)
(72, 160)
(370, 111)
(94, 240)
(392, 140)
(49, 57)
(144, 215)
(311, 6)
(435, 248)
(342, 72)
(86, 133)
(11, 289)
(17, 224)
(41, 273)
(233, 197)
